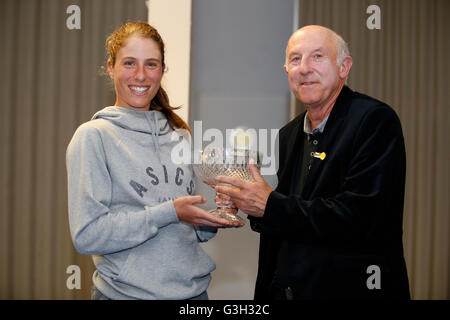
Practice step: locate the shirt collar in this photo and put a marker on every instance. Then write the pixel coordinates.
(307, 128)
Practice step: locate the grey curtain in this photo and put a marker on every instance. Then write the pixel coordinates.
(50, 82)
(405, 64)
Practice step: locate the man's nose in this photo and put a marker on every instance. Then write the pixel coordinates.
(305, 66)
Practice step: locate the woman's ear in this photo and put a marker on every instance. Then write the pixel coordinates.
(110, 70)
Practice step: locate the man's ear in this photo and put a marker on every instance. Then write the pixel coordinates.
(344, 68)
(285, 67)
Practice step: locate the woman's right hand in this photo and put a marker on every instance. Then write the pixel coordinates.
(187, 211)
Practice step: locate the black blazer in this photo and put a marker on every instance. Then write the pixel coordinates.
(321, 244)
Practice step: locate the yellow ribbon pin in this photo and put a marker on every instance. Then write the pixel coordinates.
(320, 156)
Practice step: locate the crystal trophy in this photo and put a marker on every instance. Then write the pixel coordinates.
(212, 162)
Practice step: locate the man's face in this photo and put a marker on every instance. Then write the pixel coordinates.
(314, 77)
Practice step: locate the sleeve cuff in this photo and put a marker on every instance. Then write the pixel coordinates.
(162, 214)
(205, 233)
(270, 222)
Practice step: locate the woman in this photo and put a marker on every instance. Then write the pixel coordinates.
(130, 206)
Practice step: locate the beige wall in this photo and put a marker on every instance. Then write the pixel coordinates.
(174, 24)
(404, 64)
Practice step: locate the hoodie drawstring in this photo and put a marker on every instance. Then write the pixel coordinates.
(154, 126)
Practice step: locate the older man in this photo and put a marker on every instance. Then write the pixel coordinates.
(332, 229)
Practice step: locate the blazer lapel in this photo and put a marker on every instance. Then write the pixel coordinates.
(331, 131)
(293, 155)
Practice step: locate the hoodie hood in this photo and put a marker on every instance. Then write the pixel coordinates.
(152, 122)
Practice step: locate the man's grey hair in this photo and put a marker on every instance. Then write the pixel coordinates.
(342, 48)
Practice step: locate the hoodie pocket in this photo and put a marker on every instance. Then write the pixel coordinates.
(129, 262)
(172, 264)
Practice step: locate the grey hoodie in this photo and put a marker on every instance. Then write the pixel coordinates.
(121, 184)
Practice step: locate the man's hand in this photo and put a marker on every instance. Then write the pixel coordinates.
(250, 197)
(187, 211)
